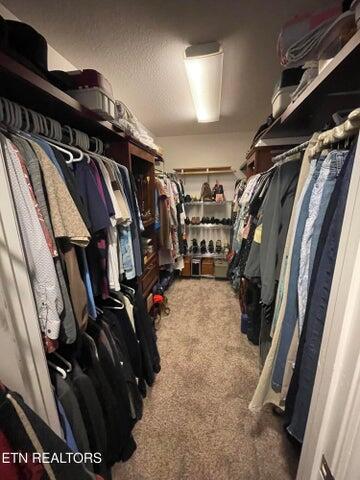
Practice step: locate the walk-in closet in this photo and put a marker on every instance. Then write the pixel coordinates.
(179, 240)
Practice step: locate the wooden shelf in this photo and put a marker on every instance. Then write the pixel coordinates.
(204, 171)
(29, 89)
(336, 88)
(25, 87)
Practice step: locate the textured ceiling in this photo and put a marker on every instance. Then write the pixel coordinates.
(138, 45)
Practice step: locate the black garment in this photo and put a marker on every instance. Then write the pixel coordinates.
(267, 314)
(92, 414)
(120, 324)
(121, 360)
(253, 308)
(68, 400)
(116, 411)
(245, 248)
(147, 337)
(17, 436)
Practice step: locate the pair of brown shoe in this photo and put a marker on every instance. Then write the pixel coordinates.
(195, 221)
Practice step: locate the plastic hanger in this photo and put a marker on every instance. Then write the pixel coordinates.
(126, 287)
(116, 300)
(65, 149)
(93, 344)
(64, 361)
(58, 369)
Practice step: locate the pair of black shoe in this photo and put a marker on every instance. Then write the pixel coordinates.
(203, 247)
(212, 220)
(215, 221)
(194, 247)
(226, 221)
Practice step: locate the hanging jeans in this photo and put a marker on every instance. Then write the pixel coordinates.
(291, 309)
(319, 200)
(302, 382)
(126, 252)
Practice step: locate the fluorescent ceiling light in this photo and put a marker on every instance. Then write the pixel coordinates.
(204, 65)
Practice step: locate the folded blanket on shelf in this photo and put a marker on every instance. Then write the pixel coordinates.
(131, 125)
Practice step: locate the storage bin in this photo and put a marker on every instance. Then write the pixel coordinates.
(221, 268)
(207, 266)
(287, 84)
(195, 267)
(96, 100)
(186, 271)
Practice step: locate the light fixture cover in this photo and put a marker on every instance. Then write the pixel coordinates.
(204, 65)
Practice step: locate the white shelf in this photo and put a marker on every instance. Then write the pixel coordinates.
(216, 256)
(217, 226)
(217, 204)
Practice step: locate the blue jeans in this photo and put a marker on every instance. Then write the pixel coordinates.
(291, 308)
(126, 252)
(302, 382)
(319, 200)
(337, 162)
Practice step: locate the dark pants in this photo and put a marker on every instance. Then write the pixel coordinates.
(253, 308)
(301, 387)
(267, 314)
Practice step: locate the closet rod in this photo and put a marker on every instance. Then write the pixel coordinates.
(292, 151)
(342, 132)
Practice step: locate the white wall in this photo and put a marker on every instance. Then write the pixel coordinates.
(55, 60)
(215, 150)
(212, 150)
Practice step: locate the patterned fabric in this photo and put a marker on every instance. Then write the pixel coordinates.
(48, 238)
(65, 217)
(68, 326)
(40, 262)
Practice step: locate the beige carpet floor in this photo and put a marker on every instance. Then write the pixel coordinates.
(196, 423)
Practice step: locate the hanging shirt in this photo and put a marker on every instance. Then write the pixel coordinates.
(40, 262)
(90, 196)
(68, 325)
